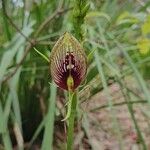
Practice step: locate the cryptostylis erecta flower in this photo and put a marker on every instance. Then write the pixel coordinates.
(68, 63)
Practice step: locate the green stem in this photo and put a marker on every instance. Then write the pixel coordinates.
(5, 134)
(70, 133)
(80, 9)
(7, 141)
(42, 55)
(69, 106)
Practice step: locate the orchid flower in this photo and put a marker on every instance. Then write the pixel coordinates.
(68, 63)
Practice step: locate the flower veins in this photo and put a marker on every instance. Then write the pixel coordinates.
(68, 62)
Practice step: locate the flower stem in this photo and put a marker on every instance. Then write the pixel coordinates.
(71, 119)
(79, 12)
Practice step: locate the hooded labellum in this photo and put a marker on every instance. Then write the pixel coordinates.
(68, 62)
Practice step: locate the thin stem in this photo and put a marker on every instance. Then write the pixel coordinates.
(38, 130)
(42, 55)
(70, 134)
(119, 104)
(79, 12)
(69, 105)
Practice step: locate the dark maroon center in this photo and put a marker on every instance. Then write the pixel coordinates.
(68, 67)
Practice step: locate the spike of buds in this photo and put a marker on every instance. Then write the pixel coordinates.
(68, 62)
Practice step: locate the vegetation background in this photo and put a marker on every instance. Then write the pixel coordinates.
(113, 110)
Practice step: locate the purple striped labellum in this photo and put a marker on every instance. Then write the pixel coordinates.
(68, 63)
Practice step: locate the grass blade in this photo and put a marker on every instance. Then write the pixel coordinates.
(49, 124)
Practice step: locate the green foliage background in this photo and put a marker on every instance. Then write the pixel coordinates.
(116, 38)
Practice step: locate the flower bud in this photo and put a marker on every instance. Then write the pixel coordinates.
(68, 62)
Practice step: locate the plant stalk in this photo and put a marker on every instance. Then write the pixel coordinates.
(70, 133)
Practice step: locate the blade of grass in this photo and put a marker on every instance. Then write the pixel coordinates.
(129, 104)
(86, 127)
(7, 141)
(42, 55)
(98, 108)
(38, 130)
(4, 131)
(141, 82)
(137, 74)
(109, 65)
(49, 36)
(17, 121)
(2, 119)
(14, 96)
(12, 49)
(49, 124)
(13, 85)
(6, 27)
(106, 90)
(126, 95)
(104, 82)
(7, 108)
